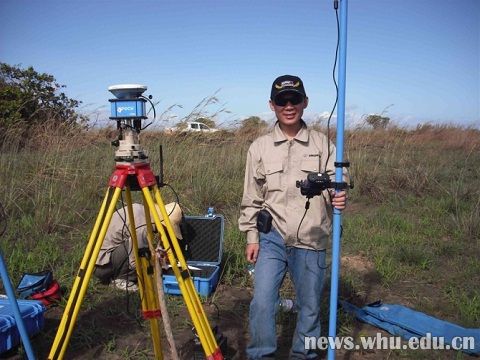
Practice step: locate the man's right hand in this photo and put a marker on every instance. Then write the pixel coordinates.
(251, 252)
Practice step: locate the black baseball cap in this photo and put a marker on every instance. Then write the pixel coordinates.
(287, 83)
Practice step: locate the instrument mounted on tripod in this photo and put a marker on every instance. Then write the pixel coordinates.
(129, 110)
(133, 172)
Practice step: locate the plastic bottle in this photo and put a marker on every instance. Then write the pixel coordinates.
(251, 270)
(210, 211)
(287, 305)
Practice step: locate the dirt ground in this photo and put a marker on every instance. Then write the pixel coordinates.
(113, 329)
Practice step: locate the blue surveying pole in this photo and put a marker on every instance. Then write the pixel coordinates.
(337, 214)
(16, 310)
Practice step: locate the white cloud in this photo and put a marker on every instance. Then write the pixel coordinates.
(352, 118)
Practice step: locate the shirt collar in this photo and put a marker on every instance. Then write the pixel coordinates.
(279, 136)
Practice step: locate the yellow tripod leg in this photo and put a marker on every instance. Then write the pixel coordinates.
(144, 268)
(173, 261)
(183, 277)
(159, 284)
(196, 310)
(87, 265)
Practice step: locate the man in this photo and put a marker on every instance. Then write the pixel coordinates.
(116, 260)
(298, 237)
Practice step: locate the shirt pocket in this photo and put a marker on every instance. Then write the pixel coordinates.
(309, 165)
(273, 175)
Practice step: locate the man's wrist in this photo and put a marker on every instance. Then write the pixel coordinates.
(252, 237)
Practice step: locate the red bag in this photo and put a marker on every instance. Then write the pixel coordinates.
(50, 296)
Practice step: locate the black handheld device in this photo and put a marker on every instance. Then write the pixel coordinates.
(264, 221)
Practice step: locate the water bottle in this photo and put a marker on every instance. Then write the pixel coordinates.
(210, 211)
(251, 270)
(287, 305)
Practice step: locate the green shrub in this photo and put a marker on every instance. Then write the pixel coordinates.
(29, 99)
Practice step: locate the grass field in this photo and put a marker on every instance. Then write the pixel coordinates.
(411, 231)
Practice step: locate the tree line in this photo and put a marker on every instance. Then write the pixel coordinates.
(29, 98)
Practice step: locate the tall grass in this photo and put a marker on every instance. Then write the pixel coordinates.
(417, 211)
(413, 212)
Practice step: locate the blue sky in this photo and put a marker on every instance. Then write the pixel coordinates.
(418, 59)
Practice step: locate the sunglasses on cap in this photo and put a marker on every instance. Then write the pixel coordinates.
(292, 97)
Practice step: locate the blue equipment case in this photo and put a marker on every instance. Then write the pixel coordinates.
(32, 313)
(204, 241)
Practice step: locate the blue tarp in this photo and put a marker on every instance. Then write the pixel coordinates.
(405, 322)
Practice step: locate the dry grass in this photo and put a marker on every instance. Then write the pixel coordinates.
(414, 211)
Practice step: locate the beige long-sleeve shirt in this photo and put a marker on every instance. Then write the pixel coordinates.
(274, 164)
(118, 234)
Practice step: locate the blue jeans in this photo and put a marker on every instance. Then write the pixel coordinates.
(307, 270)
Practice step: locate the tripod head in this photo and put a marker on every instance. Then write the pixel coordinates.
(128, 109)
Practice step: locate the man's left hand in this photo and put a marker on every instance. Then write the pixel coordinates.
(339, 200)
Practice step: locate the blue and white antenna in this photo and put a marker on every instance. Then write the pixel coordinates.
(128, 102)
(128, 109)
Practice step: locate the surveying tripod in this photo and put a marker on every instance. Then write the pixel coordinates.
(126, 176)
